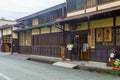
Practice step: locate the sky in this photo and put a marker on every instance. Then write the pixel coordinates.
(14, 9)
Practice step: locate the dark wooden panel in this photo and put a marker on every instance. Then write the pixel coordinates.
(67, 37)
(98, 53)
(53, 51)
(101, 54)
(92, 55)
(15, 45)
(25, 49)
(101, 1)
(1, 47)
(71, 5)
(47, 39)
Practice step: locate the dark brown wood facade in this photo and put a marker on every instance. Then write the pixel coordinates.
(49, 44)
(44, 44)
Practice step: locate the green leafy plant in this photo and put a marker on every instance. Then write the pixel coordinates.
(117, 63)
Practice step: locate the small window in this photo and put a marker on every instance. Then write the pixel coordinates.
(28, 38)
(35, 22)
(118, 36)
(101, 1)
(80, 4)
(91, 3)
(22, 39)
(71, 5)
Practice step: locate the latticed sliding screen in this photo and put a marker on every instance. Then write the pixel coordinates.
(101, 1)
(28, 38)
(75, 4)
(80, 4)
(25, 39)
(71, 5)
(118, 37)
(91, 3)
(7, 39)
(22, 39)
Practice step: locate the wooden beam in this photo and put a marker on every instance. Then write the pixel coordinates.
(114, 31)
(12, 40)
(88, 25)
(97, 5)
(63, 35)
(63, 12)
(85, 5)
(2, 40)
(89, 34)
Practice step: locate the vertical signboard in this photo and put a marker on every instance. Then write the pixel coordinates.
(91, 38)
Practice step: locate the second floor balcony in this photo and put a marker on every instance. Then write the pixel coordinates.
(78, 7)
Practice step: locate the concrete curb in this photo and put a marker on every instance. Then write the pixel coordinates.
(43, 59)
(51, 60)
(94, 69)
(64, 64)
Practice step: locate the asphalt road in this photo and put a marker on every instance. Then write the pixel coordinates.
(16, 69)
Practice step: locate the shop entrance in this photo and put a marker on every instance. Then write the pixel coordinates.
(80, 49)
(7, 40)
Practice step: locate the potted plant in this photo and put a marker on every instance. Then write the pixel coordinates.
(116, 64)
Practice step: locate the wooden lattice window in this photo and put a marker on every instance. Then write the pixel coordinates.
(118, 36)
(79, 4)
(22, 39)
(101, 1)
(91, 3)
(28, 38)
(7, 39)
(71, 5)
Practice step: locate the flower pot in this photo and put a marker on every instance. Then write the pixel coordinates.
(112, 62)
(115, 68)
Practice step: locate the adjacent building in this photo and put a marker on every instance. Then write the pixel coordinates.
(5, 34)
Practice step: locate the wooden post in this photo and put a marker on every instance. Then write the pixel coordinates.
(88, 25)
(97, 4)
(85, 5)
(2, 49)
(12, 40)
(63, 55)
(18, 34)
(114, 31)
(89, 36)
(63, 35)
(62, 46)
(63, 15)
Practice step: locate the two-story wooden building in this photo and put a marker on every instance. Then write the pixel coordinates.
(91, 25)
(42, 33)
(95, 27)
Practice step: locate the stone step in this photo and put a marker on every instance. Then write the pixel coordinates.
(64, 64)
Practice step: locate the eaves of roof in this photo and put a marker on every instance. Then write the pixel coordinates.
(42, 12)
(36, 27)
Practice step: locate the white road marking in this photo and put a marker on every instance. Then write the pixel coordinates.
(4, 76)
